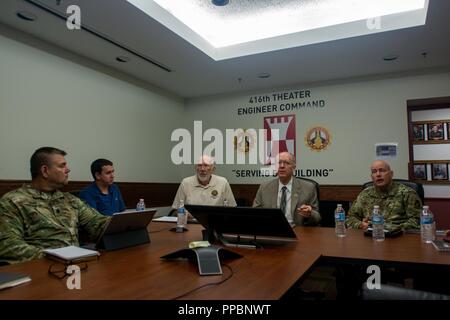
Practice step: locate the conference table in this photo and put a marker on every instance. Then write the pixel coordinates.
(265, 273)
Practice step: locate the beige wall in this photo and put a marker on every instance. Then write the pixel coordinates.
(358, 114)
(47, 100)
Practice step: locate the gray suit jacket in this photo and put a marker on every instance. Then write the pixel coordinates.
(303, 192)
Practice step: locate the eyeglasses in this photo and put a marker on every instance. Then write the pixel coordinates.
(284, 162)
(381, 170)
(59, 270)
(204, 165)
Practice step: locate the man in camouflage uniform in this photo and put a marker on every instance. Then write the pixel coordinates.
(399, 204)
(401, 208)
(39, 216)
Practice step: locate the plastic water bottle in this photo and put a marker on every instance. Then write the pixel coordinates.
(140, 205)
(339, 219)
(377, 224)
(427, 225)
(182, 217)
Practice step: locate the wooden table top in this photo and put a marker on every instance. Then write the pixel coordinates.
(139, 273)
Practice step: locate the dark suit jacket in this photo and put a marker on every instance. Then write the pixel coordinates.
(303, 192)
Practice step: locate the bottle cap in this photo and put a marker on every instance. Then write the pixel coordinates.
(426, 207)
(376, 207)
(339, 205)
(141, 199)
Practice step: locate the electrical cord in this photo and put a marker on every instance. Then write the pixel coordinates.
(208, 284)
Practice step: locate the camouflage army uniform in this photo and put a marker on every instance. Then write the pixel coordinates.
(31, 220)
(401, 207)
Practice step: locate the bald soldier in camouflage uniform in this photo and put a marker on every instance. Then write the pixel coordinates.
(400, 205)
(39, 216)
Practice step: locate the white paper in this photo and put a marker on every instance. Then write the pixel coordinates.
(166, 219)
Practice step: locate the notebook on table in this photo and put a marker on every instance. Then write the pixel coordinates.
(12, 279)
(71, 254)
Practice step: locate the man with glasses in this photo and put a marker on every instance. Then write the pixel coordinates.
(296, 198)
(205, 188)
(399, 204)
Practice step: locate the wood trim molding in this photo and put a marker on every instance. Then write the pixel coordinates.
(162, 194)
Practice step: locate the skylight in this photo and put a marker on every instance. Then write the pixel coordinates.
(246, 27)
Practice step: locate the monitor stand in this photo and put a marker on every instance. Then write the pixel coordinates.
(244, 241)
(240, 242)
(212, 237)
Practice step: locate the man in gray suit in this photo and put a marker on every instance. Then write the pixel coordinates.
(296, 198)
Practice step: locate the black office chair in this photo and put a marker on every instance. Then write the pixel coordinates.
(242, 202)
(418, 187)
(316, 185)
(327, 208)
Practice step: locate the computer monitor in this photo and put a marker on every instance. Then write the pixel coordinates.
(257, 225)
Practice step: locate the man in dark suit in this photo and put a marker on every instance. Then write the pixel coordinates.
(296, 198)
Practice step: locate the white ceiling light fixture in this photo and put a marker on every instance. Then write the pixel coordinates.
(248, 27)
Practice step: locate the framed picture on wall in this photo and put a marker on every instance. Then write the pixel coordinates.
(420, 171)
(439, 171)
(418, 132)
(436, 131)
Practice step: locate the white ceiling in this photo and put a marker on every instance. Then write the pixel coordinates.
(126, 31)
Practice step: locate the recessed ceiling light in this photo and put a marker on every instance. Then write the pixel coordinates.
(264, 75)
(123, 59)
(390, 57)
(25, 15)
(241, 27)
(220, 2)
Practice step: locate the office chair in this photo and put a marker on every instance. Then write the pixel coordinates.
(327, 208)
(316, 185)
(418, 187)
(242, 202)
